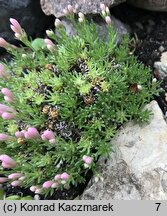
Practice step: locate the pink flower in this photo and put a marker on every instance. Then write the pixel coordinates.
(31, 133)
(7, 92)
(33, 188)
(70, 8)
(87, 159)
(16, 183)
(39, 191)
(19, 134)
(16, 27)
(47, 184)
(8, 116)
(15, 175)
(4, 137)
(5, 108)
(54, 185)
(48, 135)
(6, 165)
(3, 179)
(52, 141)
(58, 23)
(64, 176)
(4, 43)
(7, 99)
(108, 20)
(50, 45)
(3, 73)
(102, 7)
(7, 160)
(57, 177)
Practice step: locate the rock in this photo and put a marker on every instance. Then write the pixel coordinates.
(155, 5)
(161, 66)
(137, 167)
(56, 7)
(27, 12)
(121, 28)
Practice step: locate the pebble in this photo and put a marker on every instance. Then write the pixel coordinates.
(161, 49)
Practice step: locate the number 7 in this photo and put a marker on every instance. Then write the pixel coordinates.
(158, 205)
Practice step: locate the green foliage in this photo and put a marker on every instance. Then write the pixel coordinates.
(82, 90)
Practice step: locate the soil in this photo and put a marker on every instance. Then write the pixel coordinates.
(150, 30)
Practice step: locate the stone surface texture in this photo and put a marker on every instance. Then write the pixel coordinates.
(161, 66)
(56, 7)
(155, 5)
(27, 12)
(137, 168)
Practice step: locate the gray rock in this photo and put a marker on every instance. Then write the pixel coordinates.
(161, 66)
(120, 27)
(56, 7)
(137, 168)
(27, 12)
(155, 5)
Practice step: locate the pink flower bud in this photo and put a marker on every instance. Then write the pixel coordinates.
(66, 12)
(52, 141)
(81, 15)
(8, 99)
(54, 185)
(15, 175)
(50, 45)
(8, 160)
(70, 9)
(48, 135)
(18, 36)
(47, 184)
(7, 92)
(4, 137)
(39, 191)
(5, 108)
(3, 73)
(16, 27)
(102, 7)
(43, 137)
(108, 20)
(6, 165)
(8, 116)
(16, 183)
(58, 23)
(87, 159)
(33, 133)
(3, 179)
(64, 176)
(33, 188)
(4, 43)
(19, 134)
(80, 19)
(57, 177)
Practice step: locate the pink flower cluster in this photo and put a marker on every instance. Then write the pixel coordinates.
(32, 133)
(106, 12)
(48, 135)
(59, 178)
(15, 178)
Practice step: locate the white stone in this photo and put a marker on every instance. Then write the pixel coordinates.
(137, 169)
